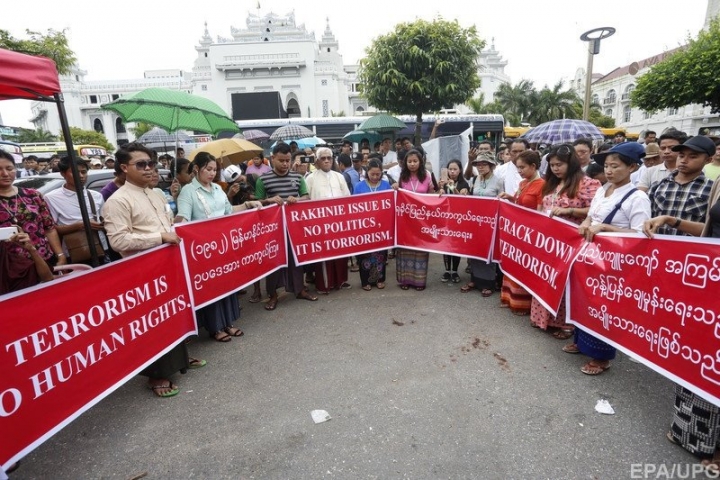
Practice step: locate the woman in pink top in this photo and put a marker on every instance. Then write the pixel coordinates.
(257, 166)
(412, 265)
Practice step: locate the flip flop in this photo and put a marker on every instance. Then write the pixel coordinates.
(671, 439)
(563, 334)
(174, 390)
(222, 337)
(380, 285)
(367, 288)
(254, 299)
(467, 287)
(272, 304)
(306, 296)
(592, 368)
(234, 332)
(571, 348)
(419, 289)
(196, 363)
(486, 292)
(405, 287)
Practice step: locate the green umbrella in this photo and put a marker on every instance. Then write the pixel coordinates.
(357, 135)
(173, 110)
(382, 123)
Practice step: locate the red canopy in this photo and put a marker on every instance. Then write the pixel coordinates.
(26, 76)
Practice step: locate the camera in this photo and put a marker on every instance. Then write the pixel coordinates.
(306, 159)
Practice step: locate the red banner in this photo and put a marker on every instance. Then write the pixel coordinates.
(224, 254)
(655, 300)
(95, 331)
(341, 227)
(451, 224)
(537, 251)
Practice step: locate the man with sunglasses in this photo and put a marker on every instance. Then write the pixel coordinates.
(136, 219)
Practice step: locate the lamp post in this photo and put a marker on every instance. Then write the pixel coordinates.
(593, 38)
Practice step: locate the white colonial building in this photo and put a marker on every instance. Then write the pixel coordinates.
(272, 68)
(612, 93)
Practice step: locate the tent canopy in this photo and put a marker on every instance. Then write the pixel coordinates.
(26, 76)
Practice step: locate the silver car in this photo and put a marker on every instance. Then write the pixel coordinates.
(96, 180)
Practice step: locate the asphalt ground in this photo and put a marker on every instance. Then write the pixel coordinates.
(421, 385)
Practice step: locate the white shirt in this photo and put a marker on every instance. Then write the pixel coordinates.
(652, 175)
(632, 213)
(330, 184)
(508, 173)
(394, 172)
(391, 157)
(65, 208)
(636, 176)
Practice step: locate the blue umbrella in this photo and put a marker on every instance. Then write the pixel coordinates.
(309, 142)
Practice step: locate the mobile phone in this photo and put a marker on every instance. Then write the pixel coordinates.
(7, 232)
(444, 175)
(306, 159)
(474, 144)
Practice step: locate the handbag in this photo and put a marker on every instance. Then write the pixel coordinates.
(77, 242)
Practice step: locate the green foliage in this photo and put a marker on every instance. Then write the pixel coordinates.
(90, 137)
(554, 103)
(53, 45)
(685, 77)
(341, 113)
(602, 121)
(141, 128)
(421, 67)
(516, 101)
(35, 136)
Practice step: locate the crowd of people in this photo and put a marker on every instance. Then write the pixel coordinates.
(664, 186)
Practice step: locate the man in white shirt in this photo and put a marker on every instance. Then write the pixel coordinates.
(65, 207)
(30, 164)
(507, 172)
(389, 158)
(668, 157)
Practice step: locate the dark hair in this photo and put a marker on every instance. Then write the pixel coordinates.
(650, 132)
(523, 141)
(459, 164)
(401, 155)
(529, 157)
(345, 160)
(54, 155)
(619, 134)
(281, 147)
(583, 141)
(374, 163)
(364, 140)
(34, 158)
(178, 165)
(421, 173)
(6, 155)
(681, 137)
(293, 142)
(347, 142)
(375, 155)
(623, 158)
(123, 154)
(566, 154)
(487, 142)
(604, 147)
(594, 169)
(202, 159)
(178, 149)
(65, 162)
(377, 144)
(298, 153)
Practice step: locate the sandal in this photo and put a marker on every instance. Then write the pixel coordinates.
(171, 390)
(404, 287)
(272, 303)
(196, 362)
(671, 439)
(367, 288)
(571, 348)
(234, 332)
(563, 334)
(304, 295)
(222, 337)
(467, 287)
(254, 298)
(419, 289)
(486, 292)
(380, 285)
(595, 368)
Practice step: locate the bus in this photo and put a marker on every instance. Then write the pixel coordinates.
(333, 129)
(13, 149)
(48, 149)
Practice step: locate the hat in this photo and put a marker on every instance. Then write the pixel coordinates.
(231, 173)
(699, 144)
(358, 157)
(96, 161)
(486, 157)
(630, 150)
(652, 150)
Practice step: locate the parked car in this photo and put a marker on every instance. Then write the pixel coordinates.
(96, 180)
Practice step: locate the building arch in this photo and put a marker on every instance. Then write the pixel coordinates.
(98, 126)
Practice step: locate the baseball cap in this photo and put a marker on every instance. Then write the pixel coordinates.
(632, 151)
(96, 161)
(357, 157)
(485, 157)
(652, 150)
(699, 144)
(231, 173)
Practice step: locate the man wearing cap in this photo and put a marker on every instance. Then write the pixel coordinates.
(652, 158)
(668, 156)
(109, 163)
(683, 195)
(96, 164)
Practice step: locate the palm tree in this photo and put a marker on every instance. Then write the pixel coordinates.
(476, 104)
(551, 104)
(516, 102)
(35, 136)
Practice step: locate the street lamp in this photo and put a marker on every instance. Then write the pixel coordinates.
(593, 38)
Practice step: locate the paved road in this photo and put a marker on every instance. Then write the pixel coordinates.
(422, 385)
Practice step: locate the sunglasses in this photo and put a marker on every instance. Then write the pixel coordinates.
(143, 164)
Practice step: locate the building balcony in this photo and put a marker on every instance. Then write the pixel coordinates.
(625, 97)
(610, 101)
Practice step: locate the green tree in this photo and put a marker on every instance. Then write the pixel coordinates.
(421, 67)
(597, 118)
(554, 103)
(53, 45)
(685, 77)
(91, 137)
(516, 101)
(141, 128)
(35, 136)
(478, 106)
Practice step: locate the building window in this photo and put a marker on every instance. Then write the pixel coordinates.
(323, 83)
(627, 112)
(595, 99)
(609, 112)
(115, 96)
(646, 115)
(93, 98)
(672, 111)
(203, 88)
(205, 54)
(610, 97)
(325, 108)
